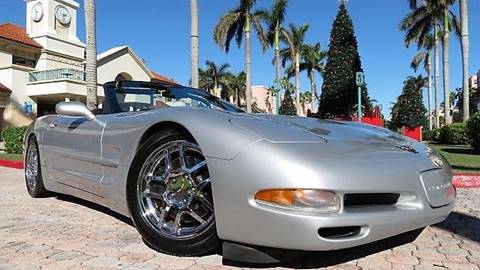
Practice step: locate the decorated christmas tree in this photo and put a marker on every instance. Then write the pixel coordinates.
(288, 106)
(409, 110)
(339, 89)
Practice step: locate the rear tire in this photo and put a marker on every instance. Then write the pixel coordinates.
(171, 208)
(33, 171)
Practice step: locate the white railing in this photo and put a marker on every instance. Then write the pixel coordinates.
(55, 74)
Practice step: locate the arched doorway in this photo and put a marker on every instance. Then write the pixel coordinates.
(123, 77)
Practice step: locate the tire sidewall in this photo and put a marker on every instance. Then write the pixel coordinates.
(205, 243)
(32, 142)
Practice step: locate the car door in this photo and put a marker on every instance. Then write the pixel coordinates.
(72, 148)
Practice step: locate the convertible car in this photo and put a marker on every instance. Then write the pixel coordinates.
(194, 172)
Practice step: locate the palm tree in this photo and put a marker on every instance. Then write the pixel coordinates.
(214, 77)
(236, 84)
(194, 42)
(91, 54)
(313, 60)
(424, 55)
(235, 24)
(465, 57)
(294, 38)
(305, 98)
(432, 16)
(274, 20)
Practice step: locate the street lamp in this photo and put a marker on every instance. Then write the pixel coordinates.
(360, 79)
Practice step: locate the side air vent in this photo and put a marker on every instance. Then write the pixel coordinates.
(369, 199)
(339, 232)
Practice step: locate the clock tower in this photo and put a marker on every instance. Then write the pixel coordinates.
(53, 24)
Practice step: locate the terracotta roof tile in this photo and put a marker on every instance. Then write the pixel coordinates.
(162, 79)
(17, 33)
(4, 89)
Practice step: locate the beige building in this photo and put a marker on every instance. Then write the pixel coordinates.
(43, 64)
(473, 80)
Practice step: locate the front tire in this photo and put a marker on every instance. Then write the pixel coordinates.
(33, 171)
(170, 196)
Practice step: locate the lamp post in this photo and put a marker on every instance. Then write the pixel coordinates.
(360, 79)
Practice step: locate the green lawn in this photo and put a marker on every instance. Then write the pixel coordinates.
(4, 156)
(461, 157)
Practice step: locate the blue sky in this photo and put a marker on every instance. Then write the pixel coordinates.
(158, 31)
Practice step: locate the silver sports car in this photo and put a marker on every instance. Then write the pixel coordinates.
(193, 171)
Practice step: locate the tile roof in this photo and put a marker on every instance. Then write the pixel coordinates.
(18, 34)
(4, 89)
(158, 77)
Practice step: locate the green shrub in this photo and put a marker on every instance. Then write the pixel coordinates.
(454, 134)
(427, 134)
(436, 135)
(13, 138)
(473, 131)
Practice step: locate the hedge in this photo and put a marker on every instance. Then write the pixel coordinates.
(454, 134)
(473, 130)
(13, 138)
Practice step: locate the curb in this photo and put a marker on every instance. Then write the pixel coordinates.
(466, 180)
(11, 164)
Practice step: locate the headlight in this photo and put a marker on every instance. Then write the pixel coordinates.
(307, 200)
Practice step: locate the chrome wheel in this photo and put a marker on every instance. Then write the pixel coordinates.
(174, 191)
(31, 166)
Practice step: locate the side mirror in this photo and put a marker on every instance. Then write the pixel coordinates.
(74, 108)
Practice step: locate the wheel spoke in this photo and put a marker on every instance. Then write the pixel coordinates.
(154, 178)
(153, 194)
(204, 202)
(168, 161)
(181, 157)
(163, 213)
(178, 220)
(197, 166)
(203, 184)
(196, 216)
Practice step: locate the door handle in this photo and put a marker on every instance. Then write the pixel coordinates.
(53, 124)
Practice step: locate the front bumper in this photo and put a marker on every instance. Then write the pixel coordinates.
(240, 219)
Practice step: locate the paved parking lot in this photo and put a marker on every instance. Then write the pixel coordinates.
(65, 233)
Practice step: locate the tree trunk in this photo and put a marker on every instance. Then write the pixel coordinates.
(194, 42)
(446, 72)
(465, 58)
(278, 67)
(91, 54)
(248, 65)
(437, 79)
(429, 72)
(297, 82)
(312, 88)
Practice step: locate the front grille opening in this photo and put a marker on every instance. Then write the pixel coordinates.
(339, 232)
(370, 199)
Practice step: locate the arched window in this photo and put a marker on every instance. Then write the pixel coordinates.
(123, 77)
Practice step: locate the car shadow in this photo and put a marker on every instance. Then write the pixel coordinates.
(96, 207)
(320, 259)
(462, 224)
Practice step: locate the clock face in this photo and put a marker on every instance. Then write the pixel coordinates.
(62, 15)
(37, 12)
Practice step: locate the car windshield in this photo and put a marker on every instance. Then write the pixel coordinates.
(149, 97)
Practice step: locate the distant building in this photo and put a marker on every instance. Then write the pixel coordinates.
(43, 64)
(473, 80)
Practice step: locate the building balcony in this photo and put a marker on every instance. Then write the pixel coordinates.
(57, 74)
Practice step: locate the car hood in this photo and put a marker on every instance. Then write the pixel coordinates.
(350, 140)
(278, 129)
